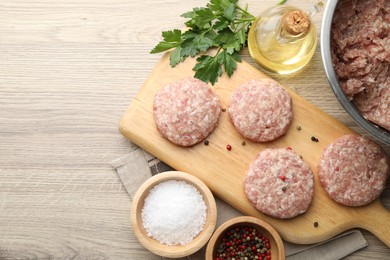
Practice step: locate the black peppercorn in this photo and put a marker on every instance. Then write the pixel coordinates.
(243, 242)
(314, 139)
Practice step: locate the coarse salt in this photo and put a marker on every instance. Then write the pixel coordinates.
(174, 213)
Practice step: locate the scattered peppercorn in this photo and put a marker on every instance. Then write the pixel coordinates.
(300, 156)
(243, 243)
(282, 177)
(316, 224)
(223, 109)
(289, 148)
(243, 143)
(229, 147)
(284, 189)
(299, 127)
(314, 139)
(206, 142)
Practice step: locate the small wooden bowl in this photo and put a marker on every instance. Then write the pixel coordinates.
(157, 247)
(277, 246)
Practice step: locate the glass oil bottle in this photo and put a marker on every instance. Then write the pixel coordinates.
(282, 39)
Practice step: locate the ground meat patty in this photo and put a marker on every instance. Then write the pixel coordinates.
(261, 110)
(279, 183)
(353, 170)
(360, 47)
(186, 111)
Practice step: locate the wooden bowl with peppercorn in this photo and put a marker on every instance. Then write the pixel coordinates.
(245, 238)
(173, 214)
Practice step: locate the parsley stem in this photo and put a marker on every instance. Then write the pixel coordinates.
(245, 10)
(241, 20)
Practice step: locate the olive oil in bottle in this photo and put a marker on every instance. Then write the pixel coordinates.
(282, 39)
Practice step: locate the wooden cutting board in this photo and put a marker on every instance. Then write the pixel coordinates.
(223, 171)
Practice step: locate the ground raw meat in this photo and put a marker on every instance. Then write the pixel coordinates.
(374, 103)
(261, 110)
(353, 170)
(186, 111)
(360, 46)
(279, 183)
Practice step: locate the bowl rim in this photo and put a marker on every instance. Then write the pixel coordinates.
(242, 220)
(179, 250)
(376, 132)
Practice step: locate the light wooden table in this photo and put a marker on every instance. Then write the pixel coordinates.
(68, 71)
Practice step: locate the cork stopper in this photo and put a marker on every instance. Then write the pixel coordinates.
(296, 22)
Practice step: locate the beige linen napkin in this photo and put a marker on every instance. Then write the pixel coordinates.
(137, 166)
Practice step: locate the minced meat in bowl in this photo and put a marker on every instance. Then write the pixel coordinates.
(355, 45)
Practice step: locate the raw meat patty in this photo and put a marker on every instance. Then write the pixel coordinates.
(279, 183)
(186, 111)
(261, 110)
(360, 47)
(353, 170)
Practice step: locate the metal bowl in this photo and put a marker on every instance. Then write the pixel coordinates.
(373, 130)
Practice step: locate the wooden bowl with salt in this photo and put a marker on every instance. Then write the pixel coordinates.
(139, 211)
(276, 249)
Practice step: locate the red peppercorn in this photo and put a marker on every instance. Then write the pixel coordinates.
(268, 246)
(229, 147)
(241, 241)
(289, 148)
(282, 177)
(268, 257)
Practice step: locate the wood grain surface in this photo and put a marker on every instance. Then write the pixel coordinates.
(68, 71)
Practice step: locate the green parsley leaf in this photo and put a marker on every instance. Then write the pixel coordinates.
(208, 69)
(230, 62)
(230, 13)
(222, 24)
(203, 18)
(172, 39)
(189, 49)
(175, 57)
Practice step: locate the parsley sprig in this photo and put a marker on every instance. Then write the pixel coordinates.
(221, 24)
